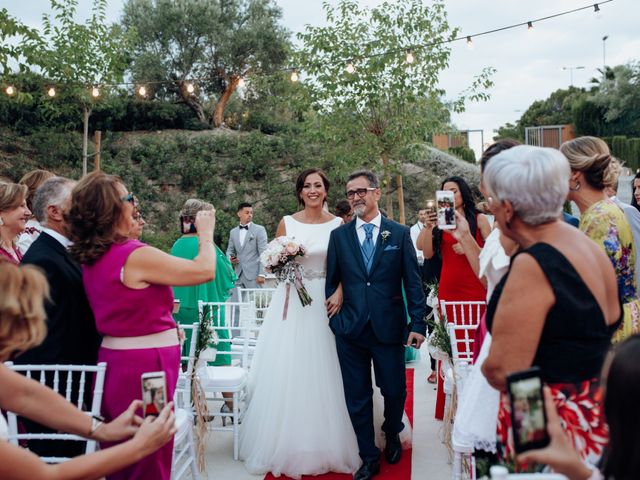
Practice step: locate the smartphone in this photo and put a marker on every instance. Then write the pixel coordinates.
(176, 305)
(187, 225)
(528, 415)
(154, 392)
(446, 210)
(431, 206)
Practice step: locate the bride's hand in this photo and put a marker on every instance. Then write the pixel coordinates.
(334, 302)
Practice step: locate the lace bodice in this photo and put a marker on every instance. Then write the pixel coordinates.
(315, 238)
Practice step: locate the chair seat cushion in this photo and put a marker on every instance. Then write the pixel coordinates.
(224, 377)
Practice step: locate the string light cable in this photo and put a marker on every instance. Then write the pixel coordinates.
(409, 52)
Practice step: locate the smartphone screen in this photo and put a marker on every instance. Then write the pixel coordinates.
(446, 210)
(187, 225)
(154, 392)
(528, 416)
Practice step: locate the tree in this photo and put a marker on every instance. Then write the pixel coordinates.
(75, 56)
(218, 42)
(386, 101)
(619, 97)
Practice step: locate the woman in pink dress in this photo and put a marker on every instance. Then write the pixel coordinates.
(128, 286)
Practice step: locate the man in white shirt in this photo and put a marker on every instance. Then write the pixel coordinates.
(415, 231)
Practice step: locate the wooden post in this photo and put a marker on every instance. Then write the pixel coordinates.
(85, 137)
(96, 156)
(401, 215)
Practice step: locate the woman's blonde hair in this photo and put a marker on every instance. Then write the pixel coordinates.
(23, 290)
(194, 205)
(591, 156)
(11, 195)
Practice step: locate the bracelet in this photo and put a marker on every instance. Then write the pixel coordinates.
(96, 421)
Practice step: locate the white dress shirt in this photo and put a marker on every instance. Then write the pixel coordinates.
(243, 234)
(376, 230)
(64, 241)
(415, 232)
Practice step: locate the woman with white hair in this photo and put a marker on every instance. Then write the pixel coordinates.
(558, 306)
(592, 170)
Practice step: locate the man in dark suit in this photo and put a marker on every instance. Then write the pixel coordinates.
(71, 332)
(373, 257)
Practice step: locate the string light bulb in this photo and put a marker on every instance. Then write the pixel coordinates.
(469, 42)
(350, 68)
(95, 92)
(410, 57)
(142, 91)
(190, 87)
(10, 90)
(529, 26)
(51, 92)
(596, 8)
(294, 76)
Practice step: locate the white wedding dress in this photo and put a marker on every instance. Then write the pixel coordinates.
(297, 422)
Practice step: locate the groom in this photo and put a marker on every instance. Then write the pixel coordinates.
(372, 258)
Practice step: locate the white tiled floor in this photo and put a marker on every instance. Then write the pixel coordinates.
(430, 459)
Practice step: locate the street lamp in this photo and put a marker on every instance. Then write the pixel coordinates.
(604, 61)
(571, 69)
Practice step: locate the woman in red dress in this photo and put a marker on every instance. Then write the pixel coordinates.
(458, 282)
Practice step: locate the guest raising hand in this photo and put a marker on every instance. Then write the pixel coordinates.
(128, 287)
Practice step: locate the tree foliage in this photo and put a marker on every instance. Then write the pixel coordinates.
(610, 107)
(386, 101)
(218, 42)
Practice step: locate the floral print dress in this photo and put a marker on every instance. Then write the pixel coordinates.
(605, 223)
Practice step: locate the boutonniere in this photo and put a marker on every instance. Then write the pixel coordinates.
(385, 234)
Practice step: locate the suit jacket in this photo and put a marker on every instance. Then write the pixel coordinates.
(376, 296)
(71, 329)
(248, 254)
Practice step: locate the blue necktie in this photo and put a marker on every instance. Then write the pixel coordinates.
(367, 245)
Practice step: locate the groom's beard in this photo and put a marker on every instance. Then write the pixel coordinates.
(359, 209)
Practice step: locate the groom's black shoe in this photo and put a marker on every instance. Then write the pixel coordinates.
(393, 449)
(368, 470)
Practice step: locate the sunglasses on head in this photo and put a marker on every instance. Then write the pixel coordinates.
(131, 198)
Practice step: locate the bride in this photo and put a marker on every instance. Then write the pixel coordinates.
(297, 422)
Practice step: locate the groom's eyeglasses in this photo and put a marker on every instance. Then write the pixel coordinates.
(361, 192)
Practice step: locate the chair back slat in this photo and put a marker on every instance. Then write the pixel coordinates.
(232, 322)
(56, 374)
(463, 312)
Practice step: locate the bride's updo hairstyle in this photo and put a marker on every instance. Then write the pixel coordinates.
(591, 156)
(303, 177)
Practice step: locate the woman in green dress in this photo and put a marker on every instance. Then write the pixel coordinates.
(217, 290)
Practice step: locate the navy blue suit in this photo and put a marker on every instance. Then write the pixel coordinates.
(372, 323)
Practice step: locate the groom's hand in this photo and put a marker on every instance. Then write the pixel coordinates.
(415, 340)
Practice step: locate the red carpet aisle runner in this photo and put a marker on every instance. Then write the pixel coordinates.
(399, 471)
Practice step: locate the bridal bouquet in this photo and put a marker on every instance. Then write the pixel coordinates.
(280, 259)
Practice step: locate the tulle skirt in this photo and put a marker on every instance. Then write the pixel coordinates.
(296, 422)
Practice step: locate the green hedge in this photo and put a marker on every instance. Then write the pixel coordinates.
(625, 149)
(463, 153)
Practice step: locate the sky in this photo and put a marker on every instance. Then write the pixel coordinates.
(528, 63)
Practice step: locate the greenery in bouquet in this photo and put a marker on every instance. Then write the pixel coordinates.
(438, 334)
(207, 336)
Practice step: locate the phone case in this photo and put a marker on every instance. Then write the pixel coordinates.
(528, 415)
(446, 210)
(154, 392)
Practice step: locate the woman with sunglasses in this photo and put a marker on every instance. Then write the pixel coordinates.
(128, 285)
